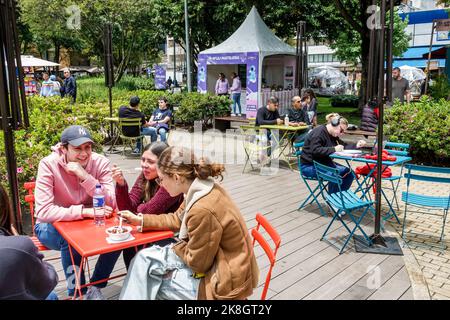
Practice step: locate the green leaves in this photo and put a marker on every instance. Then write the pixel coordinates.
(425, 125)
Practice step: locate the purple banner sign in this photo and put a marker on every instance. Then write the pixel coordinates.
(251, 59)
(160, 76)
(252, 84)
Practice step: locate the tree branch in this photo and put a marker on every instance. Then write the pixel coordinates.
(348, 17)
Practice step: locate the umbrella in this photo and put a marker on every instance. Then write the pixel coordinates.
(328, 80)
(415, 77)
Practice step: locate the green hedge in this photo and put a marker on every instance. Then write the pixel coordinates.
(425, 125)
(344, 100)
(49, 117)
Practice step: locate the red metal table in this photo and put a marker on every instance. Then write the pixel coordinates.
(90, 240)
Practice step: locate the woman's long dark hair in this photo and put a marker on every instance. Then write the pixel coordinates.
(6, 214)
(150, 186)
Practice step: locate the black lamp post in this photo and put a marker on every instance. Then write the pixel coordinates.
(380, 49)
(109, 70)
(13, 108)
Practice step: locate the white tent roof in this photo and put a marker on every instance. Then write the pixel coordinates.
(253, 36)
(30, 61)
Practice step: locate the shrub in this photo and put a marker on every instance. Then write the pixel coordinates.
(344, 100)
(425, 125)
(202, 107)
(440, 88)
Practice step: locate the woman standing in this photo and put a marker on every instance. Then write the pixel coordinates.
(222, 85)
(146, 196)
(236, 94)
(214, 244)
(311, 108)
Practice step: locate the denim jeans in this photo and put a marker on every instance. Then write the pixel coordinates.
(153, 133)
(236, 97)
(51, 238)
(308, 170)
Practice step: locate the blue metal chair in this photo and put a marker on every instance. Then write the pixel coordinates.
(396, 149)
(313, 193)
(422, 173)
(342, 202)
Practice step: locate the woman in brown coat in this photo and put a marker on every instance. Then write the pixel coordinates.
(213, 239)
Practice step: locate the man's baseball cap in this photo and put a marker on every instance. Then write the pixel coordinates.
(76, 136)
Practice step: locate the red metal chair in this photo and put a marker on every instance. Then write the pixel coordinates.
(271, 253)
(29, 186)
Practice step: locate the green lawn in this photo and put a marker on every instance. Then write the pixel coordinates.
(324, 108)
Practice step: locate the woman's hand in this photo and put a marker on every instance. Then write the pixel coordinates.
(131, 218)
(361, 143)
(88, 213)
(117, 175)
(339, 148)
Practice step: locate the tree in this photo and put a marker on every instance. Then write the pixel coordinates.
(134, 34)
(345, 24)
(47, 21)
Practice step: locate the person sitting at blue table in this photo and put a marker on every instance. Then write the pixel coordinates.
(320, 143)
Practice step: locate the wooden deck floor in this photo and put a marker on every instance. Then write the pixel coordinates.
(306, 267)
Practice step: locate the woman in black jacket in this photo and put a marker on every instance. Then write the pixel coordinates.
(23, 273)
(320, 143)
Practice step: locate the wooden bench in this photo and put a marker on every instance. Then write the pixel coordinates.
(224, 123)
(366, 134)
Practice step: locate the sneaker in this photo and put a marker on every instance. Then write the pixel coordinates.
(136, 151)
(239, 115)
(94, 293)
(233, 115)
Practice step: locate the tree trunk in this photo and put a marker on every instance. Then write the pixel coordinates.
(365, 46)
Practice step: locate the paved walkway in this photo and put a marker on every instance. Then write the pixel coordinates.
(308, 268)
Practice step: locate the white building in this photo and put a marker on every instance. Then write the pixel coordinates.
(180, 60)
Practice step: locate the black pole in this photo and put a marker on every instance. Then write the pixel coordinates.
(376, 237)
(389, 53)
(297, 56)
(13, 111)
(302, 64)
(109, 70)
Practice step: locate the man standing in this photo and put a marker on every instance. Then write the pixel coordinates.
(69, 87)
(169, 83)
(400, 87)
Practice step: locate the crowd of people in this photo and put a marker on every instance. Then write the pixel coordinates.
(52, 86)
(175, 191)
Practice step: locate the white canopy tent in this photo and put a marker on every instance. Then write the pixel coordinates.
(250, 44)
(30, 61)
